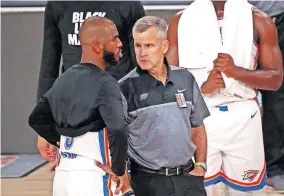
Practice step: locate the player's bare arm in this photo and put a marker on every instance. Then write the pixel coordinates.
(270, 76)
(199, 138)
(172, 54)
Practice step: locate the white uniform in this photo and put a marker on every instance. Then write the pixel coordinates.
(234, 134)
(77, 174)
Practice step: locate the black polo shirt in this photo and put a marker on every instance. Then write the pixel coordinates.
(160, 133)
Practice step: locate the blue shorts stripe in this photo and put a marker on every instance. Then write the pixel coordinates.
(213, 181)
(236, 186)
(102, 148)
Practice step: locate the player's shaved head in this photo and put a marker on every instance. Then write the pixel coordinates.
(94, 28)
(100, 42)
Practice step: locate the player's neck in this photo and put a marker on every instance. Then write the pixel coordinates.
(219, 7)
(93, 60)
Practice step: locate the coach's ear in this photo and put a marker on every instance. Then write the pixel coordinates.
(165, 46)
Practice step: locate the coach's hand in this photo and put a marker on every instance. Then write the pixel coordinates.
(123, 183)
(225, 64)
(214, 81)
(46, 149)
(198, 171)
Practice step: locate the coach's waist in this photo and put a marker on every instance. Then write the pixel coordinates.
(179, 170)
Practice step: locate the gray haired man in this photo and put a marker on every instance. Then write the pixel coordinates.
(165, 115)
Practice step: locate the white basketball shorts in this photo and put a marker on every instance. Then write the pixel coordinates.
(235, 146)
(87, 183)
(77, 173)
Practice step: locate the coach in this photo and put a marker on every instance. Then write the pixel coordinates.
(165, 115)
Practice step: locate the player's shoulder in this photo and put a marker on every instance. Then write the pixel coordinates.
(260, 15)
(109, 85)
(176, 18)
(262, 20)
(181, 13)
(105, 78)
(178, 14)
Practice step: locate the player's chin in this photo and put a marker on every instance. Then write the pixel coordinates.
(117, 58)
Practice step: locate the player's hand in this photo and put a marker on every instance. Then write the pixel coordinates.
(225, 64)
(214, 81)
(106, 169)
(197, 171)
(56, 163)
(46, 149)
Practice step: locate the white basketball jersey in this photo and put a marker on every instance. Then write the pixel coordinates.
(217, 98)
(84, 149)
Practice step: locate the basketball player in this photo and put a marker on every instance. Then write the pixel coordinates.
(235, 143)
(83, 110)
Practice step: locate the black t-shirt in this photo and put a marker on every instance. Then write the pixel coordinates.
(62, 21)
(83, 99)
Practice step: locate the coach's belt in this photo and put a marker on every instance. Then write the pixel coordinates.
(164, 170)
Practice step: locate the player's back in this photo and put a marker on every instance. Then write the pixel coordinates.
(73, 97)
(73, 101)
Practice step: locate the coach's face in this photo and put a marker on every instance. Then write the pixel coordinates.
(150, 48)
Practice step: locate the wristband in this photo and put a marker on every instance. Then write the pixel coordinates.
(128, 192)
(130, 189)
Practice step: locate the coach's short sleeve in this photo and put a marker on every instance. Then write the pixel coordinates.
(200, 110)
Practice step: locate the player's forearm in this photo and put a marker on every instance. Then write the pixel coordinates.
(118, 145)
(199, 138)
(261, 79)
(112, 112)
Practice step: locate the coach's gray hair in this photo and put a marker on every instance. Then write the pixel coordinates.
(143, 24)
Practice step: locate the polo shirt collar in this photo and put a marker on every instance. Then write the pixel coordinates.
(153, 81)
